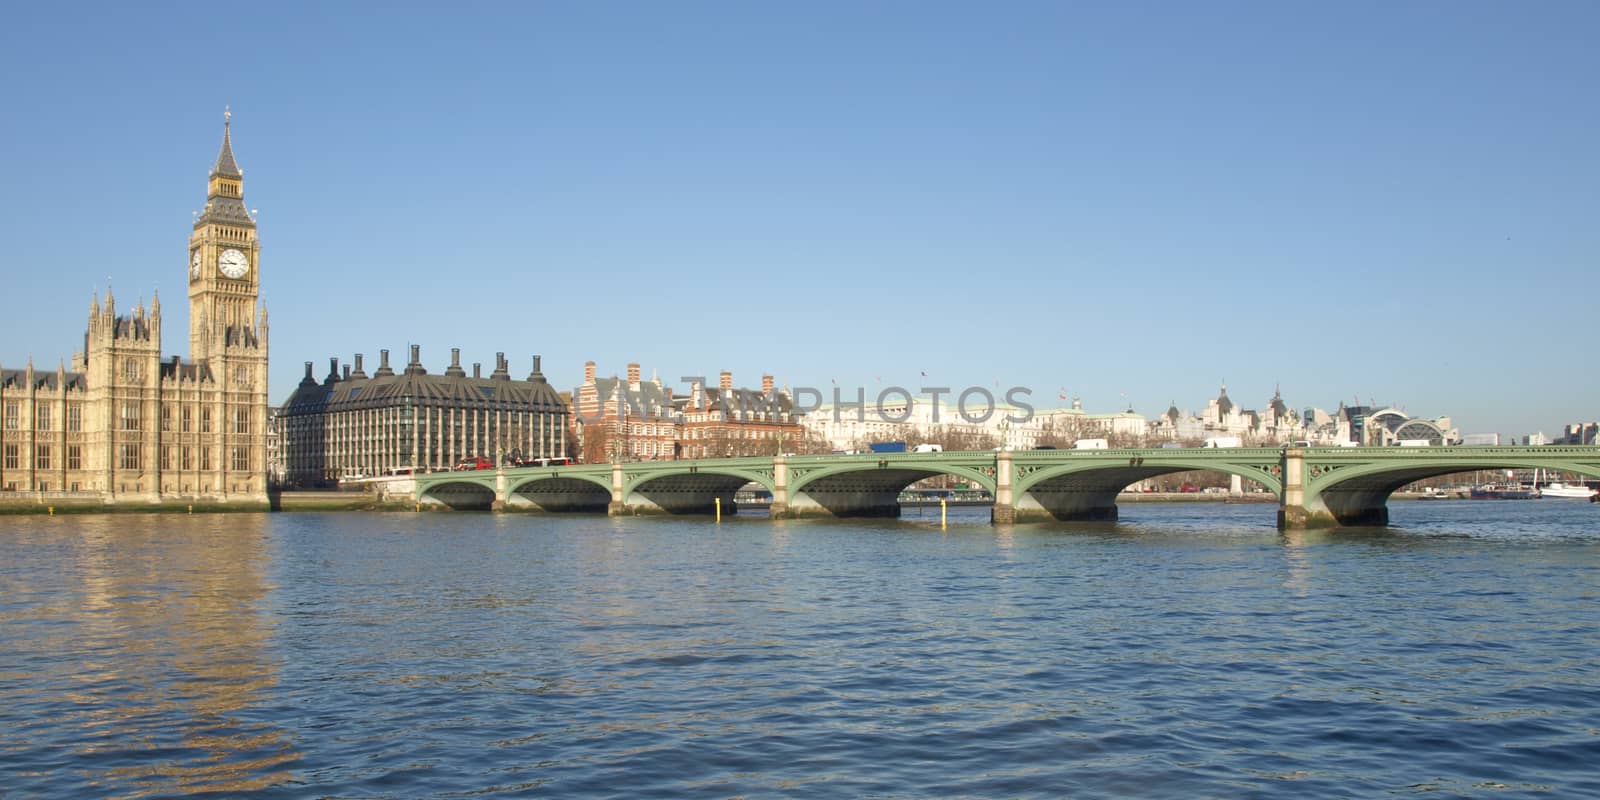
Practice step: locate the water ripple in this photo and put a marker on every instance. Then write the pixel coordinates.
(1188, 652)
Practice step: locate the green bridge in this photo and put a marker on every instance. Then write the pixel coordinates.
(1315, 486)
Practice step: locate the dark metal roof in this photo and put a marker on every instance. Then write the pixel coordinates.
(229, 210)
(134, 327)
(226, 166)
(382, 391)
(18, 379)
(1277, 405)
(220, 208)
(648, 396)
(183, 370)
(754, 402)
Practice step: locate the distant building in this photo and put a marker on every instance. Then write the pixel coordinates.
(1580, 433)
(639, 420)
(847, 426)
(1222, 417)
(1065, 424)
(1367, 425)
(1381, 427)
(619, 420)
(1536, 439)
(727, 421)
(350, 425)
(1481, 439)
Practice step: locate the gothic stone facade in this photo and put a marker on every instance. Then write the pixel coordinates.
(125, 425)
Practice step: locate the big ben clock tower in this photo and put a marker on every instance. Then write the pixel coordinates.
(224, 280)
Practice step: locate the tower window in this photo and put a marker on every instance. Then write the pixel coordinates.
(130, 456)
(74, 417)
(13, 415)
(41, 417)
(41, 456)
(130, 415)
(74, 456)
(185, 419)
(13, 456)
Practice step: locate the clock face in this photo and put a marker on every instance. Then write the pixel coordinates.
(194, 265)
(233, 263)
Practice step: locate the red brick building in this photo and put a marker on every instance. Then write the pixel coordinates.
(639, 420)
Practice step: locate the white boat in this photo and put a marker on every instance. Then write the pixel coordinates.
(1574, 491)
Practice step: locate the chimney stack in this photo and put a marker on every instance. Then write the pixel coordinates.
(766, 385)
(477, 369)
(347, 372)
(538, 377)
(588, 370)
(455, 364)
(383, 365)
(633, 376)
(333, 369)
(727, 380)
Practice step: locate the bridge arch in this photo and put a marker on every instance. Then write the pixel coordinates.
(1358, 494)
(558, 492)
(865, 487)
(459, 495)
(692, 489)
(1089, 491)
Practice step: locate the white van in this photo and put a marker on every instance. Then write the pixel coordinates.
(1223, 441)
(929, 448)
(1091, 444)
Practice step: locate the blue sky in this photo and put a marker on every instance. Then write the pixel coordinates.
(1386, 201)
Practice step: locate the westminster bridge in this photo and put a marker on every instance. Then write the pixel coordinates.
(1315, 486)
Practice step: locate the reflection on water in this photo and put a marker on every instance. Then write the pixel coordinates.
(1184, 651)
(140, 654)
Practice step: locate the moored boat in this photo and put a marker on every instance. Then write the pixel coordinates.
(1567, 491)
(1503, 491)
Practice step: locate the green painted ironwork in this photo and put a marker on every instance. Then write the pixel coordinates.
(1315, 485)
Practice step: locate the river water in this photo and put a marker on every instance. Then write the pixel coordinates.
(1188, 651)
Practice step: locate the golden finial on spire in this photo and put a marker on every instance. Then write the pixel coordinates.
(227, 115)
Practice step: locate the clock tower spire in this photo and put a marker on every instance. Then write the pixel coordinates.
(223, 259)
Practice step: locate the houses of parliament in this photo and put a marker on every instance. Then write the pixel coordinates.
(126, 425)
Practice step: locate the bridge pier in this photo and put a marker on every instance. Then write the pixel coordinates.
(1295, 510)
(780, 488)
(501, 496)
(1004, 511)
(617, 507)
